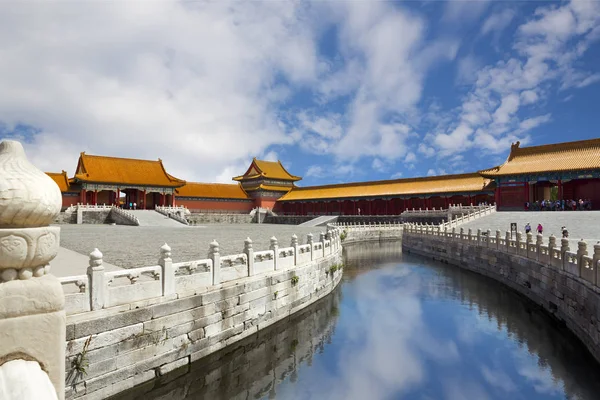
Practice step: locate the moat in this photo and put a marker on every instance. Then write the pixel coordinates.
(398, 327)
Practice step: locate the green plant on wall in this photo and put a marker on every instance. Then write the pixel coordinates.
(295, 280)
(343, 235)
(79, 364)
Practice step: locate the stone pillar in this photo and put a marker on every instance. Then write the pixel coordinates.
(479, 236)
(507, 237)
(498, 236)
(32, 315)
(539, 241)
(294, 244)
(167, 271)
(596, 260)
(564, 247)
(581, 251)
(528, 241)
(96, 281)
(249, 252)
(309, 240)
(275, 247)
(214, 255)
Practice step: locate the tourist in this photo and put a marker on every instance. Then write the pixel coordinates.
(134, 205)
(565, 232)
(130, 205)
(359, 211)
(540, 229)
(527, 228)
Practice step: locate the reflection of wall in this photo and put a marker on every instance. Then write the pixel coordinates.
(555, 346)
(255, 366)
(560, 293)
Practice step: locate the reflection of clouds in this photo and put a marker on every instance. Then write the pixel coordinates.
(456, 389)
(389, 338)
(498, 378)
(540, 377)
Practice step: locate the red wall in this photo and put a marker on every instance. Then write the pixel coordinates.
(212, 205)
(69, 200)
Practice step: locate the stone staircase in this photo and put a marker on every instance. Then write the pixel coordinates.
(154, 218)
(320, 221)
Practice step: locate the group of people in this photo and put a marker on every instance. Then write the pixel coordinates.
(540, 230)
(559, 205)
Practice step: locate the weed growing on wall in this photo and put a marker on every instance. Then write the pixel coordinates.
(295, 280)
(343, 235)
(79, 364)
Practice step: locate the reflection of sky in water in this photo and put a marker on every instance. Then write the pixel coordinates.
(404, 332)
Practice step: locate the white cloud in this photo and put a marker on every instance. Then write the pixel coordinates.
(327, 126)
(180, 81)
(462, 11)
(497, 22)
(529, 97)
(379, 165)
(396, 175)
(314, 171)
(467, 68)
(431, 172)
(271, 156)
(425, 150)
(531, 123)
(508, 106)
(410, 157)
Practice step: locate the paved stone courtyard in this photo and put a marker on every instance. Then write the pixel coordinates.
(136, 246)
(580, 224)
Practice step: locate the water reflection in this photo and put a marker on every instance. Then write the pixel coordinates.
(399, 327)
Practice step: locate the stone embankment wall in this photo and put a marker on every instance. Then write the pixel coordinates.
(288, 219)
(66, 218)
(562, 282)
(205, 306)
(370, 233)
(200, 219)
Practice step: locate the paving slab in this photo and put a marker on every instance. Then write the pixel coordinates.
(580, 224)
(136, 246)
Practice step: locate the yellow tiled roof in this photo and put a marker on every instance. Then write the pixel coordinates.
(270, 187)
(61, 180)
(125, 171)
(570, 156)
(267, 169)
(472, 182)
(212, 190)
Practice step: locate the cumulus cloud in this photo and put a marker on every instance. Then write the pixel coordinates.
(180, 81)
(498, 21)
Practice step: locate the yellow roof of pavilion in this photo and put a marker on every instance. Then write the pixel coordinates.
(569, 156)
(267, 169)
(62, 180)
(213, 190)
(459, 183)
(131, 171)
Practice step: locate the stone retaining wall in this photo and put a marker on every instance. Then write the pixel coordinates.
(370, 233)
(200, 219)
(135, 342)
(559, 286)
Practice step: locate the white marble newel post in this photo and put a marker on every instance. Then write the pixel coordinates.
(294, 244)
(32, 316)
(167, 271)
(249, 251)
(596, 259)
(275, 248)
(214, 255)
(96, 281)
(309, 240)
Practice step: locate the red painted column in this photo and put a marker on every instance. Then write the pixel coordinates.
(497, 196)
(95, 197)
(446, 202)
(560, 190)
(82, 196)
(526, 191)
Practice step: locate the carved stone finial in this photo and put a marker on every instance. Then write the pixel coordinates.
(28, 197)
(96, 259)
(165, 251)
(248, 243)
(214, 246)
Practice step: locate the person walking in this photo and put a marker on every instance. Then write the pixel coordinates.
(565, 232)
(540, 229)
(527, 228)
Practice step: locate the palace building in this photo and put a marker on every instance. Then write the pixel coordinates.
(528, 175)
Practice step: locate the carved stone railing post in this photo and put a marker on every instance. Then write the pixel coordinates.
(528, 241)
(309, 240)
(595, 259)
(498, 236)
(581, 251)
(551, 246)
(167, 271)
(214, 255)
(249, 252)
(478, 236)
(539, 241)
(294, 244)
(507, 237)
(275, 248)
(564, 247)
(96, 280)
(32, 315)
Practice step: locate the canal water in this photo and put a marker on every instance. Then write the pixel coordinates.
(398, 327)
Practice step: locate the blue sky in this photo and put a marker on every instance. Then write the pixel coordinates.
(338, 91)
